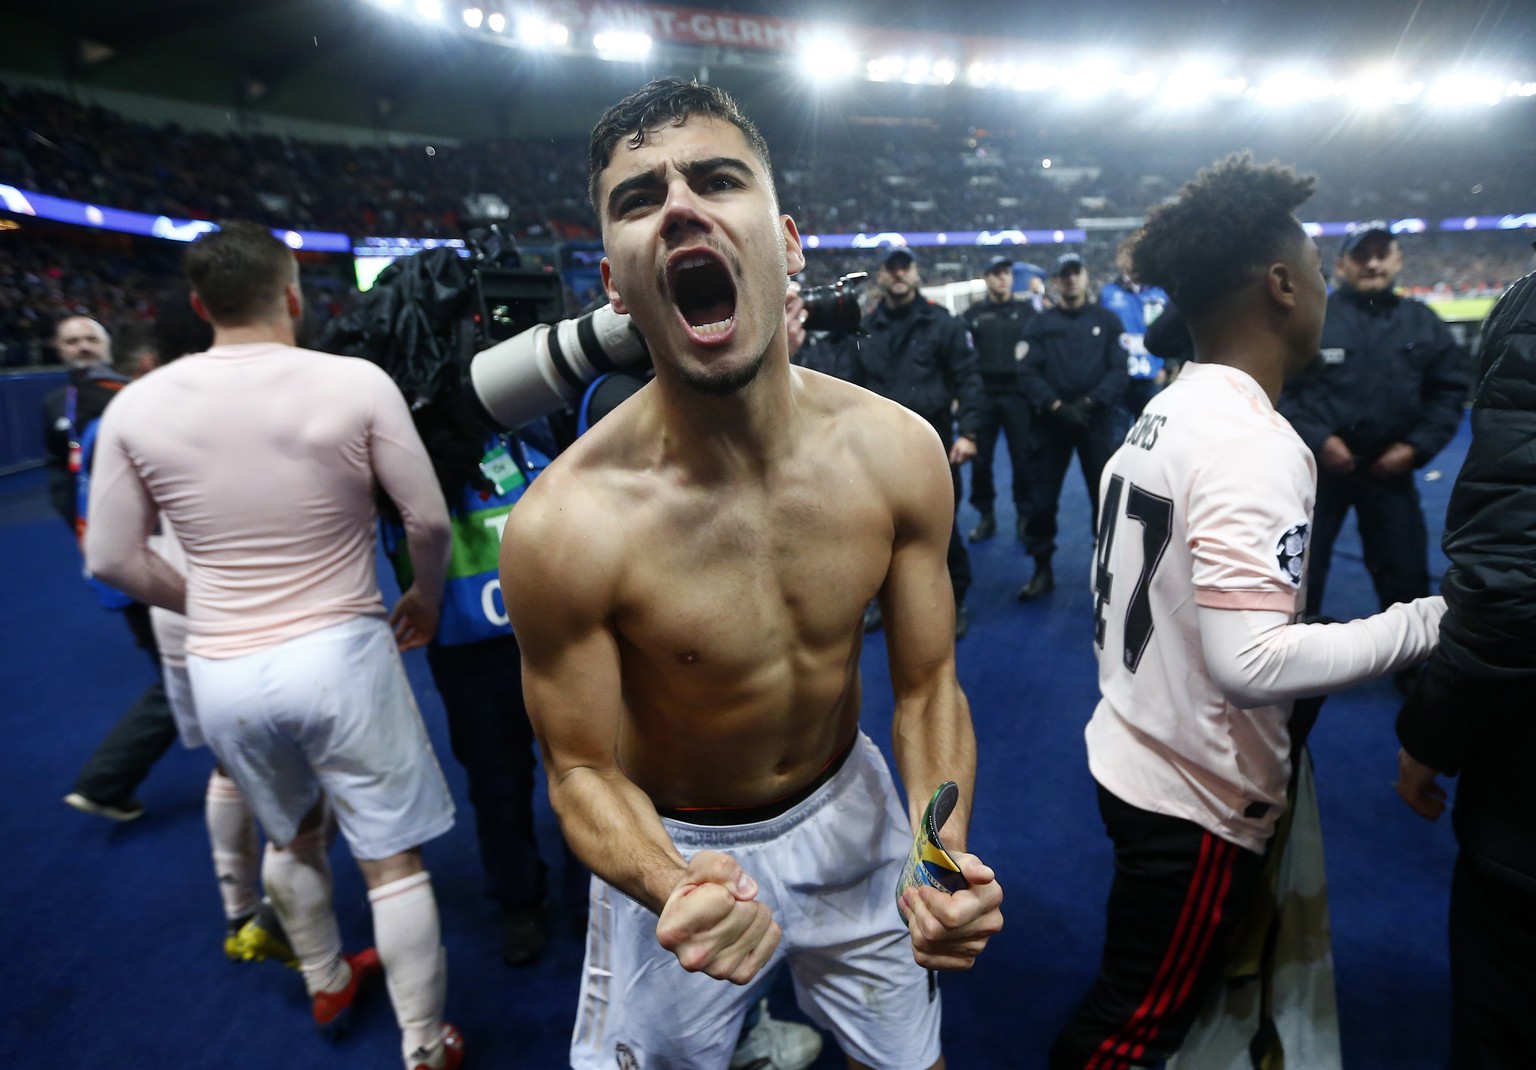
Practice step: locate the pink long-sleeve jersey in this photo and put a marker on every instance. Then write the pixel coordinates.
(265, 458)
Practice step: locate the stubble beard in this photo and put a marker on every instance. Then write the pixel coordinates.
(723, 384)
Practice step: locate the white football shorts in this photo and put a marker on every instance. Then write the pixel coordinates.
(828, 868)
(331, 712)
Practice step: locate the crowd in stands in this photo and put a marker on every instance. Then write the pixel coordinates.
(851, 180)
(45, 280)
(51, 145)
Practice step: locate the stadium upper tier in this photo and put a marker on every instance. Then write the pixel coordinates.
(834, 177)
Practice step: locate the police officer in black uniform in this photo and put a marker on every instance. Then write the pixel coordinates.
(1074, 374)
(997, 326)
(917, 354)
(1383, 400)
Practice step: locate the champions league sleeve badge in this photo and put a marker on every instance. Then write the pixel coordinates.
(1291, 552)
(929, 863)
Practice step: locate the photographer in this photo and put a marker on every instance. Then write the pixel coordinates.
(419, 325)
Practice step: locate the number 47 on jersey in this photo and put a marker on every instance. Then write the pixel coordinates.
(1155, 514)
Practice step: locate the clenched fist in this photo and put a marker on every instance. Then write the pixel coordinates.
(713, 922)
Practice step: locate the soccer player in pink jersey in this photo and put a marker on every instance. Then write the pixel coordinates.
(266, 458)
(1199, 578)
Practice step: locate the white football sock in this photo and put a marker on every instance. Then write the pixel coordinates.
(406, 933)
(298, 881)
(232, 835)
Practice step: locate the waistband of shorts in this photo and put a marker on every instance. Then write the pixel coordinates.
(325, 629)
(800, 806)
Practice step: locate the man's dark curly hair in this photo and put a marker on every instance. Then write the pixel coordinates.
(1226, 226)
(665, 102)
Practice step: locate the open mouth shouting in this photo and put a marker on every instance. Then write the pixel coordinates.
(704, 293)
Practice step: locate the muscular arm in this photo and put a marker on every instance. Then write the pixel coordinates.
(560, 560)
(931, 730)
(122, 519)
(557, 576)
(1257, 657)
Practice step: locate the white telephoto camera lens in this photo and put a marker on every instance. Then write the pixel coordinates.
(546, 368)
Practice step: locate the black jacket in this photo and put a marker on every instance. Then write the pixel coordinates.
(996, 328)
(93, 388)
(1474, 710)
(921, 357)
(1168, 337)
(1072, 355)
(1389, 372)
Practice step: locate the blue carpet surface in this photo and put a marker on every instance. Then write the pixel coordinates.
(112, 934)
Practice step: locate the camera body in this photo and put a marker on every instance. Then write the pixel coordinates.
(835, 308)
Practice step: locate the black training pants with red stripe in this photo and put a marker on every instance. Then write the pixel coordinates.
(1179, 896)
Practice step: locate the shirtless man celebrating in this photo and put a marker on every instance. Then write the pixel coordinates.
(689, 582)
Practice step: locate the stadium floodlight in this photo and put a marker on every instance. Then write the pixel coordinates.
(1382, 87)
(1520, 89)
(1035, 77)
(621, 44)
(981, 73)
(916, 70)
(1298, 87)
(944, 71)
(1189, 84)
(1090, 78)
(1136, 83)
(431, 10)
(473, 17)
(828, 57)
(497, 22)
(1460, 90)
(886, 68)
(534, 32)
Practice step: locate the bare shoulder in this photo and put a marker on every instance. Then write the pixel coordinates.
(564, 518)
(861, 410)
(891, 442)
(568, 532)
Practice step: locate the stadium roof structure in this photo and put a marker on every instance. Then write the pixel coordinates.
(458, 68)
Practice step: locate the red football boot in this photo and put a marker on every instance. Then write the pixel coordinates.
(451, 1054)
(333, 1010)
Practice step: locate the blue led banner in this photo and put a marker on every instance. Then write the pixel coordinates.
(43, 206)
(953, 237)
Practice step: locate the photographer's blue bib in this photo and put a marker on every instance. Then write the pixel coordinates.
(1137, 310)
(473, 608)
(109, 597)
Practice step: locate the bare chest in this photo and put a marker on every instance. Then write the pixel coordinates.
(738, 582)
